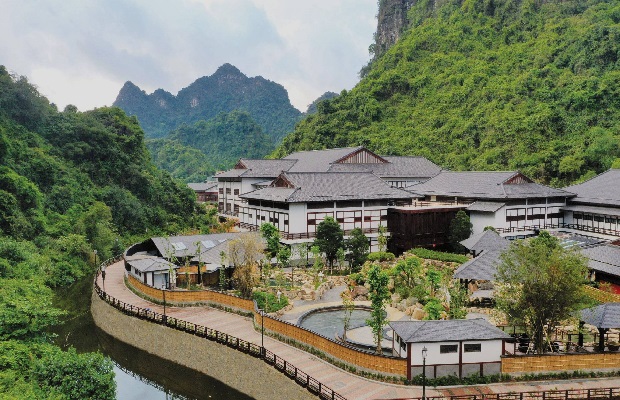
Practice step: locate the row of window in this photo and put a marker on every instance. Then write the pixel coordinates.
(454, 348)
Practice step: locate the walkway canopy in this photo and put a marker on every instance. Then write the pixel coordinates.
(604, 317)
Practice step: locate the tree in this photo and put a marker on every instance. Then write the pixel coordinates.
(347, 303)
(26, 310)
(271, 235)
(460, 229)
(540, 284)
(382, 239)
(76, 376)
(358, 247)
(378, 293)
(244, 254)
(329, 238)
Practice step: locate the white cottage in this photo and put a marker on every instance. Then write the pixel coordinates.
(461, 347)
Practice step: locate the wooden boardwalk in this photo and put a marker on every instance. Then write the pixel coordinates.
(346, 384)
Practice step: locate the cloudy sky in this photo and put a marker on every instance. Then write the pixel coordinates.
(82, 51)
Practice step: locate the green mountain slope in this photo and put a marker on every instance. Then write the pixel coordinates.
(488, 85)
(195, 152)
(225, 91)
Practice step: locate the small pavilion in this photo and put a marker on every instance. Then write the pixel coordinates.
(603, 317)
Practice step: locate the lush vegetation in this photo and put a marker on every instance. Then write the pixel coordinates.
(488, 85)
(194, 152)
(540, 284)
(70, 183)
(438, 255)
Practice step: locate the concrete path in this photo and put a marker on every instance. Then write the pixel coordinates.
(348, 385)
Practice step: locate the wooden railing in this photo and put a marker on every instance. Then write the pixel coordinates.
(311, 384)
(590, 394)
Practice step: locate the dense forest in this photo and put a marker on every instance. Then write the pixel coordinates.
(70, 183)
(488, 85)
(194, 152)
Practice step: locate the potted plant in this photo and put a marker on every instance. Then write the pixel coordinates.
(613, 346)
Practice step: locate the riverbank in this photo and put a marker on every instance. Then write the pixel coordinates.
(241, 371)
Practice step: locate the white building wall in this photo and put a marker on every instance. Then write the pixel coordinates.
(491, 350)
(480, 220)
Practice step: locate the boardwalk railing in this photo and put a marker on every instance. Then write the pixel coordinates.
(590, 394)
(311, 384)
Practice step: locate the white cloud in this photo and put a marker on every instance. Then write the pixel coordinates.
(81, 52)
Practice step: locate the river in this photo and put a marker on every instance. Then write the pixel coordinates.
(139, 375)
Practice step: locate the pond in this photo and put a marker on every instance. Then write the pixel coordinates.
(329, 322)
(139, 375)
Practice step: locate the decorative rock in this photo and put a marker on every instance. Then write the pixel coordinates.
(418, 314)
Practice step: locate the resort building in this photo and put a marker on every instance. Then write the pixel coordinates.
(205, 191)
(297, 202)
(509, 201)
(249, 175)
(460, 347)
(596, 206)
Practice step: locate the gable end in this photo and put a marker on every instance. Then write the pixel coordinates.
(362, 156)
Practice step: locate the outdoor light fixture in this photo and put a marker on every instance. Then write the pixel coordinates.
(424, 351)
(163, 290)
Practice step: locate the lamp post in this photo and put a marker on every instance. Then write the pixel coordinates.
(103, 276)
(262, 332)
(424, 351)
(163, 290)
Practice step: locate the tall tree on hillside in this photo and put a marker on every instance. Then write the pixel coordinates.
(540, 284)
(329, 238)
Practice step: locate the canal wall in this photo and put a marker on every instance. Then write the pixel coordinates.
(241, 371)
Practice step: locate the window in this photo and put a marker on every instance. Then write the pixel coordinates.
(236, 192)
(221, 190)
(473, 348)
(227, 190)
(448, 348)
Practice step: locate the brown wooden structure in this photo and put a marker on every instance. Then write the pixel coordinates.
(419, 227)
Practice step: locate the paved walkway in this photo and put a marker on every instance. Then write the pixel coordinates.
(348, 385)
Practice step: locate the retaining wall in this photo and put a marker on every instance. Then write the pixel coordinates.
(192, 296)
(559, 362)
(352, 356)
(241, 371)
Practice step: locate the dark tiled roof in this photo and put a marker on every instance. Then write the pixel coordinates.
(481, 268)
(604, 316)
(265, 168)
(486, 240)
(397, 167)
(150, 264)
(186, 246)
(485, 206)
(604, 258)
(483, 185)
(318, 160)
(203, 186)
(447, 331)
(258, 168)
(593, 209)
(603, 189)
(309, 187)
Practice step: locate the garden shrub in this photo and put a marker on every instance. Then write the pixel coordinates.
(269, 302)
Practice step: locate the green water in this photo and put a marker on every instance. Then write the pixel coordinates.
(139, 375)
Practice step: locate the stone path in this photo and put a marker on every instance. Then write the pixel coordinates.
(348, 385)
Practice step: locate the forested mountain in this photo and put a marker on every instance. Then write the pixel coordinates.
(225, 91)
(312, 108)
(194, 152)
(488, 85)
(70, 183)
